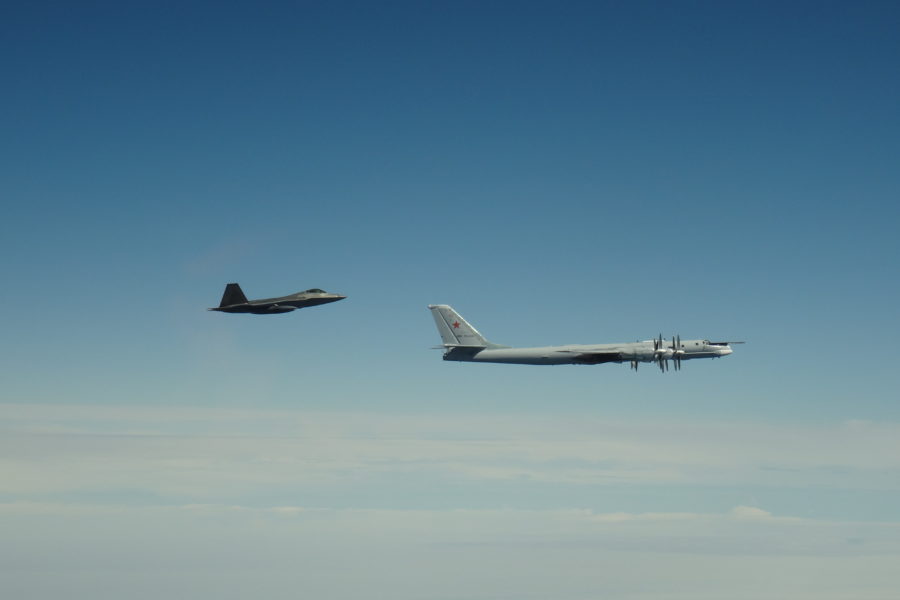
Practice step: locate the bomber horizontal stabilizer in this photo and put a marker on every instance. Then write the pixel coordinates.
(463, 346)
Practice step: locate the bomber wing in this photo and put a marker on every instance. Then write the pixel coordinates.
(594, 358)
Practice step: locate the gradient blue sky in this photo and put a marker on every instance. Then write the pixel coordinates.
(576, 173)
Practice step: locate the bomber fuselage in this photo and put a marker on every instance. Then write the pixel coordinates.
(645, 351)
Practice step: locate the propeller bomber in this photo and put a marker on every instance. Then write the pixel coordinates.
(462, 342)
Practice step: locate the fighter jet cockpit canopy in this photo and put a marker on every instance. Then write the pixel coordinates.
(314, 291)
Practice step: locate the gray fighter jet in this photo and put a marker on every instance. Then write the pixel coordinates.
(462, 342)
(234, 301)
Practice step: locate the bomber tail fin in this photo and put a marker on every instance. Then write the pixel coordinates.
(233, 295)
(456, 331)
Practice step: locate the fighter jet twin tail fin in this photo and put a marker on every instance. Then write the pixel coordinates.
(233, 295)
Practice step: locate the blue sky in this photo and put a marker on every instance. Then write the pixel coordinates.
(581, 173)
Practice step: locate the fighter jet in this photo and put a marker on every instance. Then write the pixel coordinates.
(462, 342)
(234, 301)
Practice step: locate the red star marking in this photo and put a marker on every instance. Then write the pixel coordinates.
(456, 325)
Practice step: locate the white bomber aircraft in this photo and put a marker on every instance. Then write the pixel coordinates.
(462, 342)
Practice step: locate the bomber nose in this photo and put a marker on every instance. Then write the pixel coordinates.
(725, 351)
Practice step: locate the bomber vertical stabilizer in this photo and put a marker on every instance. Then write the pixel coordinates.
(456, 331)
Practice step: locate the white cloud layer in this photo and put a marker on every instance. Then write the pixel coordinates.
(209, 455)
(141, 502)
(208, 551)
